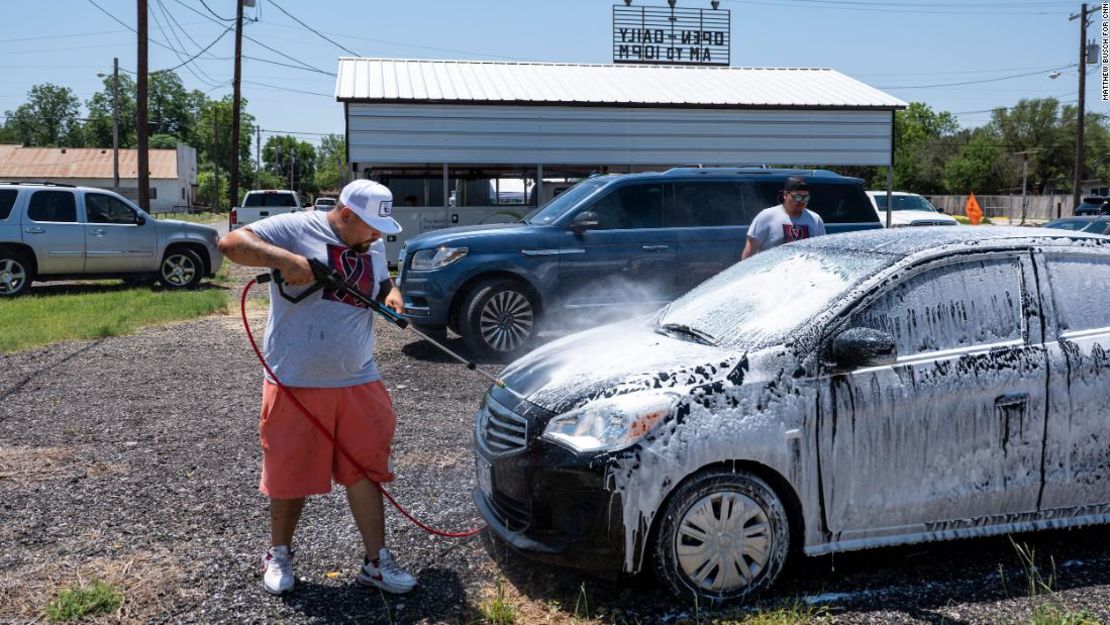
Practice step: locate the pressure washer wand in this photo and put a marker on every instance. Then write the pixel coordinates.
(326, 277)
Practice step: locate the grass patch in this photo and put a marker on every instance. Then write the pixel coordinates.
(77, 602)
(793, 614)
(986, 221)
(497, 610)
(34, 320)
(1049, 614)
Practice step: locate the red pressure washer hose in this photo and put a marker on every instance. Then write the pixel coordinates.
(328, 435)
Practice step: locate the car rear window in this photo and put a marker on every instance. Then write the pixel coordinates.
(835, 203)
(56, 206)
(269, 199)
(7, 201)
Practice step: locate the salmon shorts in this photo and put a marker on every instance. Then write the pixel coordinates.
(297, 460)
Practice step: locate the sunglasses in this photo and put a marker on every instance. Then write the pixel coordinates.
(798, 197)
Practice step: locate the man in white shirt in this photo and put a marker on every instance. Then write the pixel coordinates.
(784, 223)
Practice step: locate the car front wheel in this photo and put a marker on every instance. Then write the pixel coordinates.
(15, 274)
(181, 269)
(499, 320)
(725, 536)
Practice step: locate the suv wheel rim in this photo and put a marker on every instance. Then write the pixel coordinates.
(723, 542)
(178, 269)
(12, 276)
(506, 321)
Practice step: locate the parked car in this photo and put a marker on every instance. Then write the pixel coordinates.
(62, 232)
(910, 209)
(1093, 205)
(1094, 225)
(844, 392)
(263, 203)
(324, 204)
(609, 246)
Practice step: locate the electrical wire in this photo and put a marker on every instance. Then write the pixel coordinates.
(181, 53)
(314, 31)
(262, 84)
(974, 82)
(882, 8)
(209, 9)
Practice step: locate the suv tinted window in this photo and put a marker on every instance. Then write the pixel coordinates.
(835, 203)
(1076, 283)
(631, 206)
(58, 206)
(712, 203)
(957, 305)
(105, 209)
(7, 201)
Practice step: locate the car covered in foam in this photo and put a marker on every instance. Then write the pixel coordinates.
(845, 392)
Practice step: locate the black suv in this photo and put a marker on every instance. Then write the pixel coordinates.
(607, 246)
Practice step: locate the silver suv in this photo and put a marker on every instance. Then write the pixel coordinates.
(57, 232)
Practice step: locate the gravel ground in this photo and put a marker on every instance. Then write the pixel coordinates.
(135, 460)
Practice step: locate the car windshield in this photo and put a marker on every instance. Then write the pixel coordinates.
(1068, 225)
(270, 199)
(328, 202)
(905, 203)
(551, 211)
(759, 302)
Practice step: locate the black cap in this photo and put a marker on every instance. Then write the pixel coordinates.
(796, 183)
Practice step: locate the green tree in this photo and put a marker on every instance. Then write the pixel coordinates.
(331, 162)
(98, 128)
(212, 134)
(169, 109)
(1036, 126)
(281, 153)
(163, 142)
(922, 144)
(50, 117)
(206, 191)
(980, 165)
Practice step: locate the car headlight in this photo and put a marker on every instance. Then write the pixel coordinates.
(610, 424)
(430, 260)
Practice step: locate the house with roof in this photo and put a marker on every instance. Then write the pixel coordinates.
(173, 172)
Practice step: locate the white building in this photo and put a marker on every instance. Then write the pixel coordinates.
(173, 173)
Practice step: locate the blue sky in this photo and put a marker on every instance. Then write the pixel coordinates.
(909, 48)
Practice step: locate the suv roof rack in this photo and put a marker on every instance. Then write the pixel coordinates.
(44, 183)
(750, 169)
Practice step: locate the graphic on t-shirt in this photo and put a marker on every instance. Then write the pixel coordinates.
(794, 232)
(357, 269)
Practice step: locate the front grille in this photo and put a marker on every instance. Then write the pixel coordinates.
(503, 432)
(514, 514)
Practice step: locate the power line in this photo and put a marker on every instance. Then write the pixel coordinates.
(973, 82)
(879, 8)
(318, 33)
(262, 84)
(182, 53)
(289, 65)
(304, 65)
(194, 57)
(209, 9)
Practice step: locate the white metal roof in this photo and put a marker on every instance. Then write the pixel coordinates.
(414, 80)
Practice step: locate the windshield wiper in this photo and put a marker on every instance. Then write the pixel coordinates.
(685, 330)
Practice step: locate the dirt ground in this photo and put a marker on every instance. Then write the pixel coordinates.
(135, 460)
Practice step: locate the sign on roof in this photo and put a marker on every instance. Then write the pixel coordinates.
(670, 36)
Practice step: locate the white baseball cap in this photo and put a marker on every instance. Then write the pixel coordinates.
(373, 203)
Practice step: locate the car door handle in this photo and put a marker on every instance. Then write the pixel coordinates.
(655, 248)
(98, 232)
(34, 230)
(1011, 399)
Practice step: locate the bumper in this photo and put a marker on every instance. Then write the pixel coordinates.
(552, 507)
(428, 294)
(217, 260)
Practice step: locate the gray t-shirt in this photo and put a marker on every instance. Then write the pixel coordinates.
(773, 227)
(326, 340)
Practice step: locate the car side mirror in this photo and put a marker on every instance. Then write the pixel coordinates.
(864, 347)
(586, 220)
(139, 220)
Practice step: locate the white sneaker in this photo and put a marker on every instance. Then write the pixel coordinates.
(384, 572)
(277, 570)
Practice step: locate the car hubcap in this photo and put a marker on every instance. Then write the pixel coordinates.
(178, 270)
(506, 321)
(12, 276)
(723, 542)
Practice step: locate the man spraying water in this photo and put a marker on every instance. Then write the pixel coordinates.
(322, 350)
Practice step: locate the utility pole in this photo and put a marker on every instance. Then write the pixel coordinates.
(292, 165)
(141, 110)
(258, 157)
(115, 124)
(235, 103)
(215, 158)
(1078, 177)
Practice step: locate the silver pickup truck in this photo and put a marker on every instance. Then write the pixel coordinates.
(61, 232)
